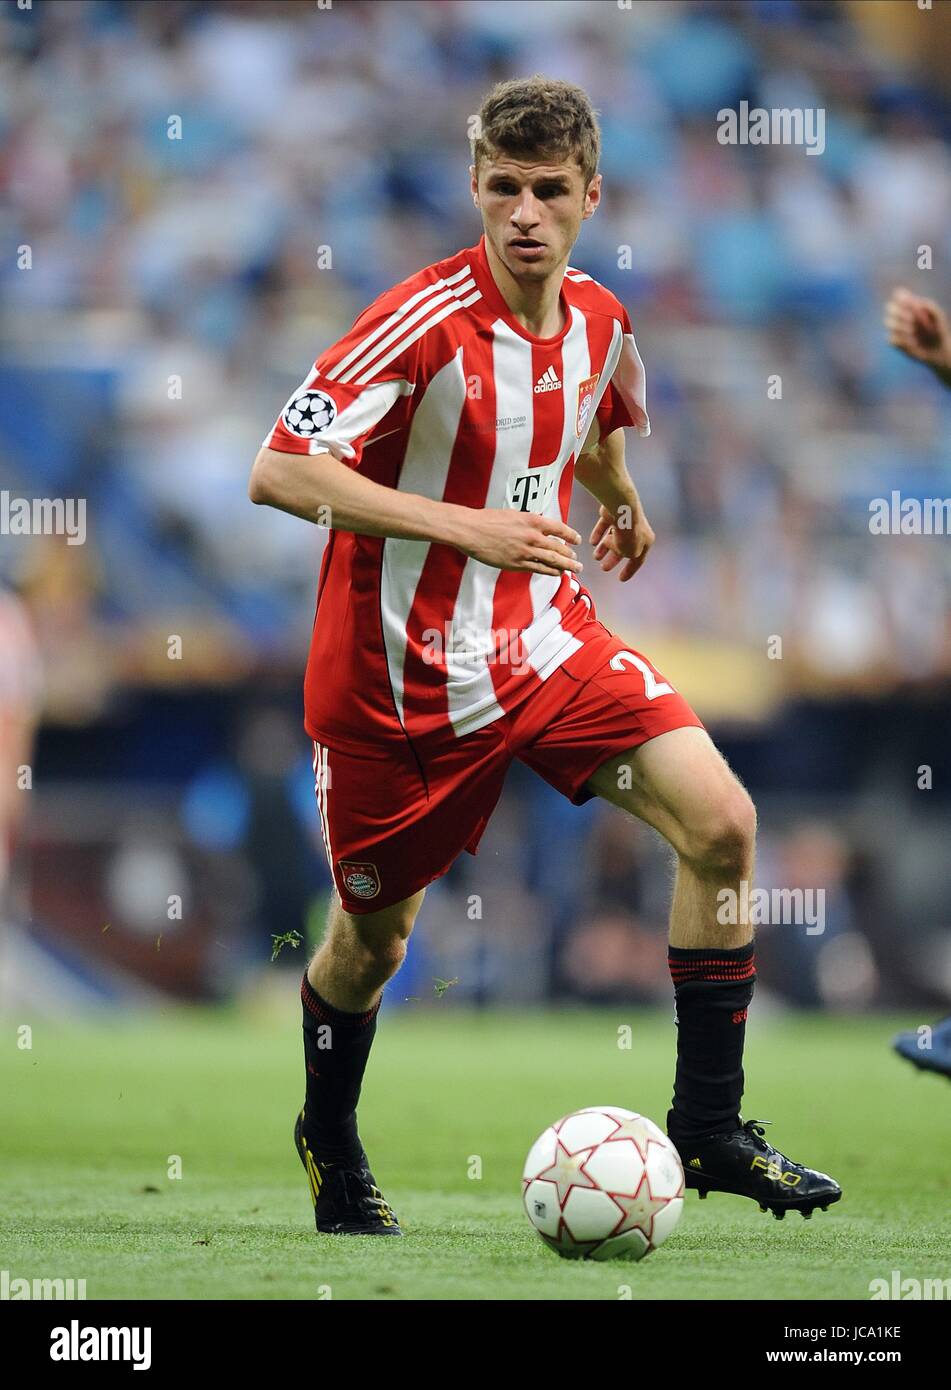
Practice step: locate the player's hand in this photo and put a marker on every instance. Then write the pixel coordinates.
(511, 540)
(627, 546)
(919, 328)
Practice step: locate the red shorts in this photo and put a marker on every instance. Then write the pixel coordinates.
(394, 817)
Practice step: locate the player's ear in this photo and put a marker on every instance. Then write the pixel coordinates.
(474, 184)
(592, 196)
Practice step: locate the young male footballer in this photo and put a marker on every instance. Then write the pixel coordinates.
(439, 439)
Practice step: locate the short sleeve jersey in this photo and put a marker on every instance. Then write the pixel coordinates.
(438, 391)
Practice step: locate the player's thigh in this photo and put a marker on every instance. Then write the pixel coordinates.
(681, 784)
(591, 714)
(395, 818)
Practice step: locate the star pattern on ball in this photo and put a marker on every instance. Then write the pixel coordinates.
(637, 1129)
(639, 1210)
(567, 1171)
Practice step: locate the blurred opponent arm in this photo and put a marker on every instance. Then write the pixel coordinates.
(919, 328)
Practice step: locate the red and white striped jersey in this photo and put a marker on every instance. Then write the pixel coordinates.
(437, 390)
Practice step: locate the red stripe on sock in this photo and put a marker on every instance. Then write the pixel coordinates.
(711, 968)
(325, 1014)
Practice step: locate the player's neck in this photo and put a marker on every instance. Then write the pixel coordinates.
(536, 305)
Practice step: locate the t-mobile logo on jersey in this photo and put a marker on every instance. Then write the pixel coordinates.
(531, 491)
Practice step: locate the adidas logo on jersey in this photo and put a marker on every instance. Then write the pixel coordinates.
(548, 381)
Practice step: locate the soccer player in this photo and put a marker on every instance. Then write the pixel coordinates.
(439, 440)
(919, 328)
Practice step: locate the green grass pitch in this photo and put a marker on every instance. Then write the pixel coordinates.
(92, 1115)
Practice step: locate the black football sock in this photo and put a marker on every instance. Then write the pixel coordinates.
(336, 1048)
(712, 989)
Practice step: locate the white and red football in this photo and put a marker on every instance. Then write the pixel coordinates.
(603, 1184)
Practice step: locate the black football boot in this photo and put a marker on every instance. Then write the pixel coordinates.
(742, 1162)
(347, 1201)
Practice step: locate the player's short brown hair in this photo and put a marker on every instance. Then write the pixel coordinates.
(531, 116)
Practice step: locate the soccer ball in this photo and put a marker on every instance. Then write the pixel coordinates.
(603, 1184)
(309, 412)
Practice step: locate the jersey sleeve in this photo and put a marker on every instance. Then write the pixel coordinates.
(624, 402)
(370, 372)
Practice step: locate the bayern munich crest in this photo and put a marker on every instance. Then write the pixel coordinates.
(309, 413)
(585, 401)
(362, 880)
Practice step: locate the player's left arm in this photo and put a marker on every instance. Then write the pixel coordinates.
(622, 535)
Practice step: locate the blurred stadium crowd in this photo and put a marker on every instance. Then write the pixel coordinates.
(177, 289)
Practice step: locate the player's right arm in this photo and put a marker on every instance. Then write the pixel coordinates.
(919, 328)
(310, 463)
(321, 489)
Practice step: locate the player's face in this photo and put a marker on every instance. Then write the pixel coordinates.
(532, 212)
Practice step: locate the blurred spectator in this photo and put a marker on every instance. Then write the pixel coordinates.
(203, 196)
(20, 693)
(196, 278)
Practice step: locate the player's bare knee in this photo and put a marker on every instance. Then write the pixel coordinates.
(376, 956)
(388, 954)
(723, 846)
